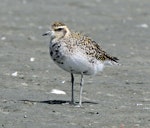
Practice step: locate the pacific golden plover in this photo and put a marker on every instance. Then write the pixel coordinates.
(76, 53)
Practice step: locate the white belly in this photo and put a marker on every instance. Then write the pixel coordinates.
(79, 63)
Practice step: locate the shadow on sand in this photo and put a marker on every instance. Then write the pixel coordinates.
(56, 102)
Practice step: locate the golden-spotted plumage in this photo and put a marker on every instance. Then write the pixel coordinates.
(92, 48)
(57, 24)
(76, 53)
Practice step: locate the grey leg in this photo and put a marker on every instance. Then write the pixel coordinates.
(81, 88)
(72, 89)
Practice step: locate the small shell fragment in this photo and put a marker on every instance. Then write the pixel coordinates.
(15, 74)
(56, 91)
(32, 59)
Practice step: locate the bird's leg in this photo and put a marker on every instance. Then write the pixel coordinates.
(81, 88)
(72, 89)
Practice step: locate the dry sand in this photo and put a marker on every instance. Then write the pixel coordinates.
(119, 97)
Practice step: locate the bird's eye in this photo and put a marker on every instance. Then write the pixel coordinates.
(59, 29)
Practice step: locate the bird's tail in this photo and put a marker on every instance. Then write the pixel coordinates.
(112, 60)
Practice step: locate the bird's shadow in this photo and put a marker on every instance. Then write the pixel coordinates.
(59, 102)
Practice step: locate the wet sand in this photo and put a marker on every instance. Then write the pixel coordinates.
(119, 97)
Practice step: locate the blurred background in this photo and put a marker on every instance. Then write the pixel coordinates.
(122, 27)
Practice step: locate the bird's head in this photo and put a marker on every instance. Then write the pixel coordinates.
(58, 30)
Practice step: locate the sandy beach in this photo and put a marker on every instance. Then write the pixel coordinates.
(118, 97)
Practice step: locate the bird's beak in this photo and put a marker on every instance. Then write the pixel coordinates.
(47, 33)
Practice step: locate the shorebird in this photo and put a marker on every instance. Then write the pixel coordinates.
(76, 54)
